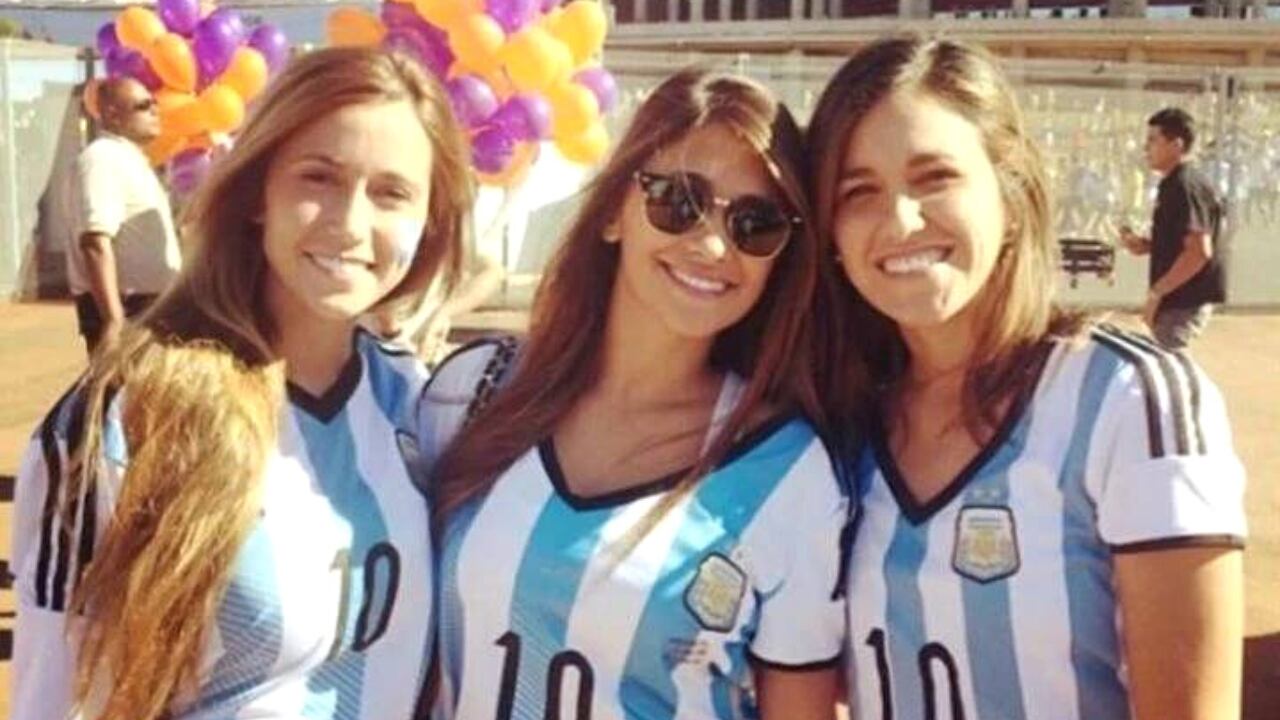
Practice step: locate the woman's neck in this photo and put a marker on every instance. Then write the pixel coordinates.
(314, 348)
(645, 362)
(938, 354)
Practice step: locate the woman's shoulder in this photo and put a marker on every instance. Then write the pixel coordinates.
(471, 369)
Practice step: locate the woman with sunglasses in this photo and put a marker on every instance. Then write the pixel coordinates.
(637, 520)
(1050, 512)
(219, 520)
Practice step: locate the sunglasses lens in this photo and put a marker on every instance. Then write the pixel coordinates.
(673, 204)
(759, 226)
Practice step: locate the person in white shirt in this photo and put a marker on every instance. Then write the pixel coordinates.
(125, 249)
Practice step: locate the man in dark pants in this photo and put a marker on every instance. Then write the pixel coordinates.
(1186, 276)
(125, 250)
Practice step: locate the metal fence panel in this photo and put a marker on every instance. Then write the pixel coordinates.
(39, 136)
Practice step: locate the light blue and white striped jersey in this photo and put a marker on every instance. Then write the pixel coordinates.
(540, 618)
(995, 600)
(328, 612)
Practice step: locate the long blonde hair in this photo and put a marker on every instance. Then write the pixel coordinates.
(202, 390)
(860, 347)
(561, 359)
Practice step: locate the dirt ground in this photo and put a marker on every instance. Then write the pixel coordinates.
(40, 354)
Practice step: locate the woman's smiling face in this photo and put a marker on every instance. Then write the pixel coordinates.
(919, 220)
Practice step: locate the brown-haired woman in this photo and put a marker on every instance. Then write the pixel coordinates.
(1030, 484)
(638, 523)
(219, 520)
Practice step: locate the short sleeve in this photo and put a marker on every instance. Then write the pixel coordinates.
(102, 199)
(1201, 207)
(801, 610)
(1162, 469)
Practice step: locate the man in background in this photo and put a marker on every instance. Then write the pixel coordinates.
(1186, 275)
(125, 251)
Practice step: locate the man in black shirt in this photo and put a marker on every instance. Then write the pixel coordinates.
(1186, 276)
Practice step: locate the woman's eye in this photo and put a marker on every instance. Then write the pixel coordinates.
(394, 194)
(316, 177)
(856, 192)
(939, 176)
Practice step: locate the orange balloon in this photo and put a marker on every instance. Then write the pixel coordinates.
(179, 113)
(246, 74)
(573, 110)
(173, 61)
(444, 14)
(160, 150)
(582, 26)
(222, 108)
(351, 26)
(530, 59)
(475, 41)
(586, 148)
(138, 28)
(517, 168)
(91, 99)
(203, 141)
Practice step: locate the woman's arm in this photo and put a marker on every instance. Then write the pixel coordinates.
(1183, 619)
(44, 660)
(797, 694)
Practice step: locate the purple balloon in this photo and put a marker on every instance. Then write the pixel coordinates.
(601, 84)
(233, 21)
(524, 117)
(123, 62)
(215, 41)
(274, 46)
(396, 14)
(187, 169)
(433, 53)
(180, 16)
(491, 150)
(107, 40)
(549, 5)
(511, 14)
(472, 99)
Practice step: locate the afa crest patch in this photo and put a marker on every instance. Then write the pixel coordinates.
(986, 543)
(715, 595)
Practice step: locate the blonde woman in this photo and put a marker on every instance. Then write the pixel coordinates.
(1050, 513)
(219, 520)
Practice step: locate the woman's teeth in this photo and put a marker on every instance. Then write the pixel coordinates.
(913, 263)
(335, 266)
(698, 284)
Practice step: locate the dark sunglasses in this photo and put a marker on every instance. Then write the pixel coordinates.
(676, 202)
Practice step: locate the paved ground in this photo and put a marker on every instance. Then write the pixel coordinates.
(40, 354)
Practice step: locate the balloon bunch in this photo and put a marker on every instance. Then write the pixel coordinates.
(518, 72)
(201, 68)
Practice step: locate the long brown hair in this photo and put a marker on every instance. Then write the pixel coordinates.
(861, 350)
(202, 391)
(561, 358)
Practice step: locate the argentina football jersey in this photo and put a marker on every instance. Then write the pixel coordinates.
(327, 613)
(996, 598)
(541, 615)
